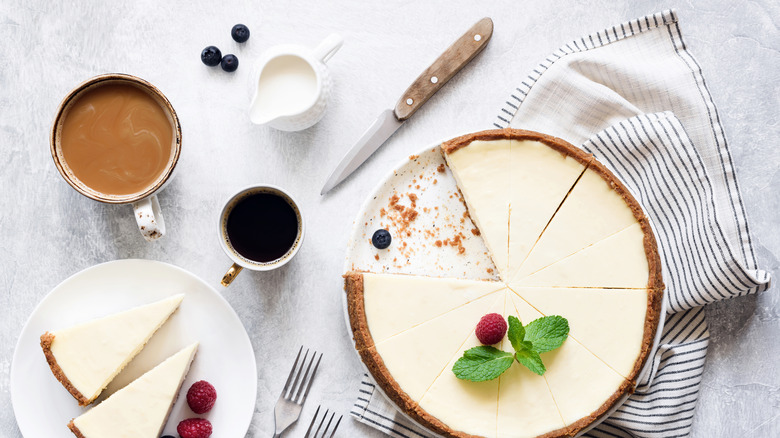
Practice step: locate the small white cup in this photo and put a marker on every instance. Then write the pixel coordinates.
(239, 261)
(291, 85)
(146, 207)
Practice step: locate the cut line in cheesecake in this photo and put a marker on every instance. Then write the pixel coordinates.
(545, 169)
(371, 295)
(470, 158)
(627, 259)
(598, 206)
(617, 325)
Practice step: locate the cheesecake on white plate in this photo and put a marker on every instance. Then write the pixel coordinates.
(471, 159)
(85, 358)
(568, 239)
(140, 409)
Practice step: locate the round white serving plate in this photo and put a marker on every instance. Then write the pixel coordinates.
(225, 356)
(422, 256)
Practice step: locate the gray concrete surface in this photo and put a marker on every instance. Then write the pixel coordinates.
(48, 231)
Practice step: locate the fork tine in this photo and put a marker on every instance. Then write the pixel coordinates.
(336, 426)
(294, 386)
(325, 432)
(313, 420)
(311, 379)
(292, 371)
(297, 398)
(321, 423)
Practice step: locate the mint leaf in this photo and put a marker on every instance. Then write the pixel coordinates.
(482, 363)
(516, 332)
(531, 360)
(547, 333)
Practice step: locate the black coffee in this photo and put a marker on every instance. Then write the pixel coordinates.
(262, 227)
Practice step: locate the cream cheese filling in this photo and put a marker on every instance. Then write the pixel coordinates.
(93, 353)
(487, 198)
(140, 409)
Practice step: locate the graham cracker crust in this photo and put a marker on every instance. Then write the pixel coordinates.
(46, 341)
(353, 285)
(75, 430)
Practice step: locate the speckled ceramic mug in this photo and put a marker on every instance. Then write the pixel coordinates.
(146, 207)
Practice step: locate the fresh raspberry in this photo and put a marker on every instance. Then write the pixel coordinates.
(201, 397)
(194, 428)
(490, 329)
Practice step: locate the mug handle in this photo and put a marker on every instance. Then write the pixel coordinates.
(231, 274)
(149, 218)
(328, 47)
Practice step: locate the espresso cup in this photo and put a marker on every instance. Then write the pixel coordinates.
(256, 216)
(146, 207)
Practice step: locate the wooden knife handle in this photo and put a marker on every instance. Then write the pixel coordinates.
(444, 68)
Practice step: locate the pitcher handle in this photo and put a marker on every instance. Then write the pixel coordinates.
(328, 47)
(149, 218)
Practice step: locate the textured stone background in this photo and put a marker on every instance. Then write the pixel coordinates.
(48, 231)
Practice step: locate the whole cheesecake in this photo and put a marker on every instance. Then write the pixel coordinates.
(567, 238)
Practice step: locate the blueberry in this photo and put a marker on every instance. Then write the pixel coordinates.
(166, 436)
(211, 56)
(240, 33)
(229, 63)
(381, 239)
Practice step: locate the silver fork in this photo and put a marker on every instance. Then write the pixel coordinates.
(322, 421)
(288, 407)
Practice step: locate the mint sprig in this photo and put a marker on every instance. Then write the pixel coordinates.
(483, 363)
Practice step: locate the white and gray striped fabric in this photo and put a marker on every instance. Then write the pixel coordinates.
(633, 96)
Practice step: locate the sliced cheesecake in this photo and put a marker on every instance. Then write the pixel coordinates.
(598, 206)
(481, 165)
(465, 406)
(616, 325)
(544, 170)
(140, 409)
(624, 260)
(410, 299)
(85, 358)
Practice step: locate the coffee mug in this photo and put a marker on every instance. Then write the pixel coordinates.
(291, 85)
(146, 207)
(260, 228)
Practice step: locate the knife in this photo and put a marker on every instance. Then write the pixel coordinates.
(463, 50)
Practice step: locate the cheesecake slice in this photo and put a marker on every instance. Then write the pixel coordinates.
(85, 358)
(406, 365)
(624, 260)
(616, 325)
(597, 207)
(140, 409)
(468, 407)
(544, 169)
(410, 300)
(481, 165)
(525, 405)
(583, 387)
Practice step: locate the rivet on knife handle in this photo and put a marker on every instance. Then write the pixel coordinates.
(444, 68)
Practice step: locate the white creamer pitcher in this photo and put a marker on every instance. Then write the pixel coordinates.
(292, 85)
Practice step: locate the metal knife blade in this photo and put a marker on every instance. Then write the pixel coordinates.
(383, 127)
(449, 63)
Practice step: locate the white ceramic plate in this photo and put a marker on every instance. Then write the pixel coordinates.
(225, 357)
(422, 256)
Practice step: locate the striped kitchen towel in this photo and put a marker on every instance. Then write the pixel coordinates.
(633, 96)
